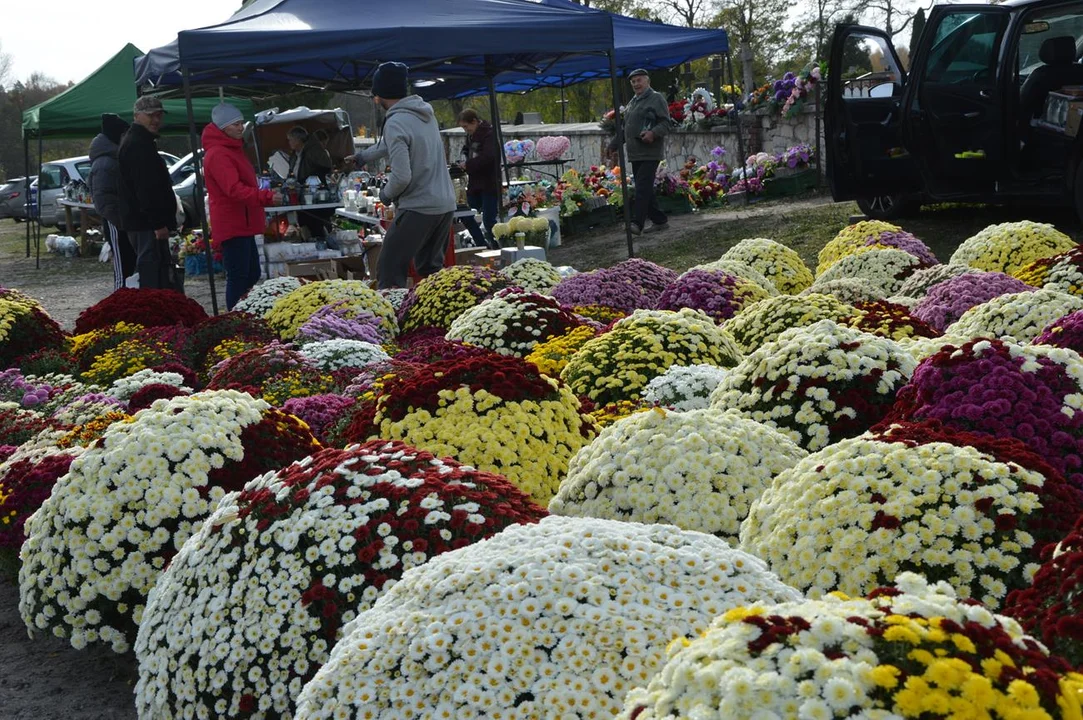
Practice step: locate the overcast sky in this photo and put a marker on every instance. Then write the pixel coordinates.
(68, 39)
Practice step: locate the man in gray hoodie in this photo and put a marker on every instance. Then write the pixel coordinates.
(419, 184)
(104, 176)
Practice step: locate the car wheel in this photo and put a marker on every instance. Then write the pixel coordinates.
(888, 207)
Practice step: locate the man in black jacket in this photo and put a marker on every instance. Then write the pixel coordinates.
(148, 206)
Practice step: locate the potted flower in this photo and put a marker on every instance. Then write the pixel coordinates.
(674, 193)
(791, 173)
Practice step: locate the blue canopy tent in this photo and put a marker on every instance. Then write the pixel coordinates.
(337, 44)
(637, 44)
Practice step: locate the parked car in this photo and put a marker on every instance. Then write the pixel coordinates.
(183, 175)
(58, 173)
(966, 123)
(13, 199)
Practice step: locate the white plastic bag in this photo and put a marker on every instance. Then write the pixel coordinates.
(132, 282)
(106, 254)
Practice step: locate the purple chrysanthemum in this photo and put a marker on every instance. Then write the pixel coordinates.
(948, 300)
(903, 240)
(1067, 332)
(716, 293)
(319, 412)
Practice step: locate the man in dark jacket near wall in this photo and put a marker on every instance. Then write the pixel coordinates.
(646, 123)
(105, 190)
(148, 206)
(483, 166)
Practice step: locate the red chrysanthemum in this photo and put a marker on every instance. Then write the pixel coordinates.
(149, 308)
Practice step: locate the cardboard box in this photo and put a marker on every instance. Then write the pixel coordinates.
(314, 270)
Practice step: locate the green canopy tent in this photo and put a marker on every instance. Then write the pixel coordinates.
(76, 112)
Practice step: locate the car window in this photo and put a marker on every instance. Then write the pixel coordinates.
(83, 168)
(868, 67)
(52, 177)
(1042, 25)
(182, 173)
(965, 48)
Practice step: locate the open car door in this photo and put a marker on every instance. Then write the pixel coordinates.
(862, 120)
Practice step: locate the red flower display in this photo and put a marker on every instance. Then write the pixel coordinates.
(145, 396)
(206, 335)
(149, 308)
(24, 486)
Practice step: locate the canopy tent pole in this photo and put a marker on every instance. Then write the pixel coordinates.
(620, 153)
(193, 140)
(737, 122)
(26, 200)
(37, 230)
(563, 103)
(498, 134)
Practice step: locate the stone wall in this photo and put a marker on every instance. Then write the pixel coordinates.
(759, 132)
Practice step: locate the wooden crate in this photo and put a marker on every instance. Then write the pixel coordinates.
(313, 270)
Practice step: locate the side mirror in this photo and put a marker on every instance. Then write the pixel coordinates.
(883, 90)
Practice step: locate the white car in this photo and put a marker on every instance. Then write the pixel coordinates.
(55, 174)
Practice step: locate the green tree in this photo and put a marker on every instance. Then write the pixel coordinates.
(755, 28)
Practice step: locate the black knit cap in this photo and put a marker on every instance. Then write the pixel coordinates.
(391, 81)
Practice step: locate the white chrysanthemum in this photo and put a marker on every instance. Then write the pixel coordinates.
(331, 355)
(848, 290)
(1021, 316)
(395, 296)
(553, 620)
(698, 470)
(818, 384)
(764, 321)
(853, 515)
(97, 545)
(887, 269)
(684, 387)
(533, 275)
(919, 283)
(781, 265)
(512, 322)
(125, 387)
(261, 298)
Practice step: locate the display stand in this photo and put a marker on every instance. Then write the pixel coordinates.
(84, 220)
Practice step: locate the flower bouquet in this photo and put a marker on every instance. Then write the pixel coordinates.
(293, 310)
(149, 308)
(316, 564)
(684, 387)
(889, 320)
(260, 299)
(618, 364)
(532, 275)
(629, 285)
(528, 199)
(512, 322)
(925, 502)
(764, 321)
(887, 269)
(713, 292)
(1009, 247)
(205, 336)
(551, 356)
(945, 302)
(676, 111)
(552, 147)
(340, 353)
(98, 544)
(795, 157)
(990, 387)
(918, 284)
(25, 328)
(496, 413)
(909, 651)
(608, 123)
(781, 265)
(817, 384)
(699, 470)
(445, 295)
(545, 620)
(1021, 316)
(850, 291)
(516, 151)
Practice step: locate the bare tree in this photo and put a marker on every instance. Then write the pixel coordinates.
(822, 16)
(893, 14)
(688, 12)
(5, 67)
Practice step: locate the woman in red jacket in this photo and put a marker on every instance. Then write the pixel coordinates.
(236, 201)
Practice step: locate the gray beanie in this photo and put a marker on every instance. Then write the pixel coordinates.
(225, 114)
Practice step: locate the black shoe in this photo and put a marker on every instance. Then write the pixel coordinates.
(657, 227)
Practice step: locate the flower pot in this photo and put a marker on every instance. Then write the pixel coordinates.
(794, 183)
(675, 204)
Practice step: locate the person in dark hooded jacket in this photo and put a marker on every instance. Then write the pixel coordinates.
(105, 191)
(483, 165)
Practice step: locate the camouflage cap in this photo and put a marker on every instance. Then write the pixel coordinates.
(148, 105)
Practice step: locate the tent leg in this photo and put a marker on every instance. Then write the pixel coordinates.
(26, 200)
(193, 141)
(498, 134)
(37, 233)
(620, 154)
(737, 122)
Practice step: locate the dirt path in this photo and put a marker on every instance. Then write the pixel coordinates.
(46, 679)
